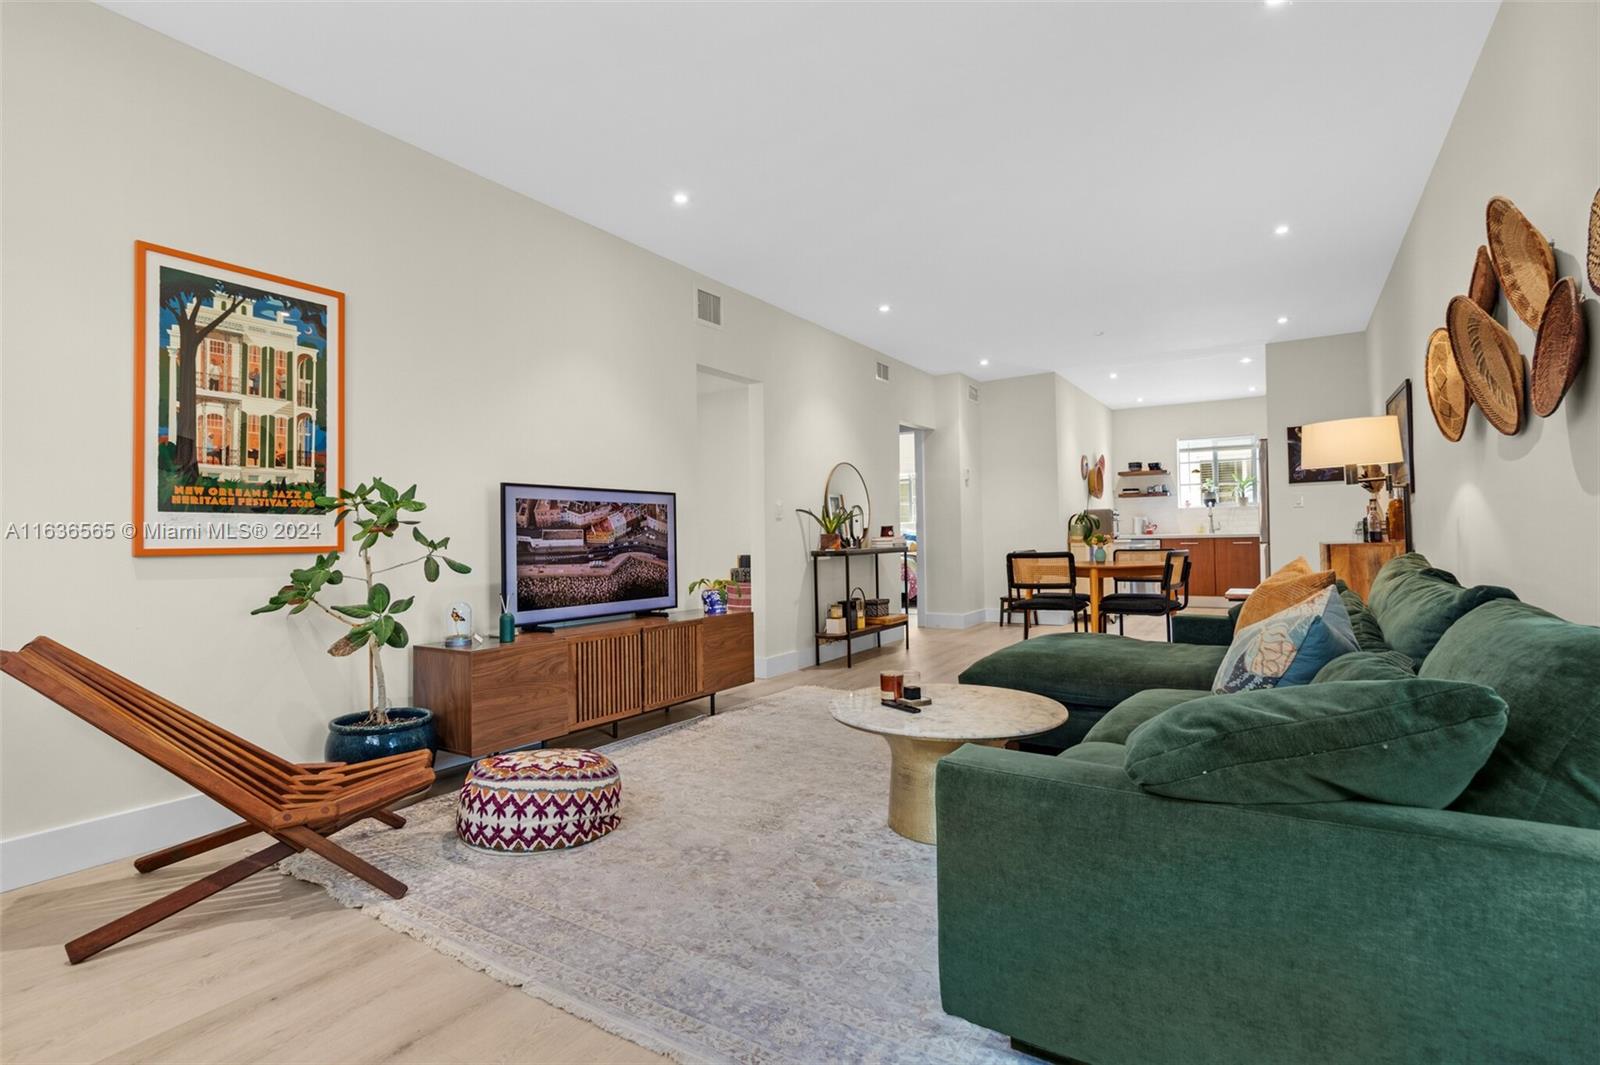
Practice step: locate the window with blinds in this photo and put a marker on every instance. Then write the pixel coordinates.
(1221, 468)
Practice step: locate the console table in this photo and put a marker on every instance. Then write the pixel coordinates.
(873, 627)
(496, 696)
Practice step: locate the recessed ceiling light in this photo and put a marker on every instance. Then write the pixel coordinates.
(681, 199)
(1281, 229)
(1283, 319)
(1113, 376)
(983, 362)
(883, 308)
(1099, 332)
(1252, 388)
(1139, 400)
(1277, 3)
(1245, 360)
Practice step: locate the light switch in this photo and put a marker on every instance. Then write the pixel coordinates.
(1299, 502)
(777, 510)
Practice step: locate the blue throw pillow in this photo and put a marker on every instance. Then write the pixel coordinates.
(1289, 647)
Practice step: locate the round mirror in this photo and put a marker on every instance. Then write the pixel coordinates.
(847, 489)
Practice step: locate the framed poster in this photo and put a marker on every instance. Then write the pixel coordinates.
(238, 408)
(1402, 474)
(1299, 474)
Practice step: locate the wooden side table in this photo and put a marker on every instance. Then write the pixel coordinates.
(1358, 563)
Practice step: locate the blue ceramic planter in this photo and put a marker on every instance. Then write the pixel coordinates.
(410, 729)
(714, 603)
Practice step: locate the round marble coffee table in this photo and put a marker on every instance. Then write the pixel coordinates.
(959, 714)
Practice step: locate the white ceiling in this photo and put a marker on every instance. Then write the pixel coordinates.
(1084, 188)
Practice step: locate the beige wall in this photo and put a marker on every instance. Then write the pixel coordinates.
(1151, 434)
(1034, 431)
(1523, 511)
(490, 338)
(1311, 381)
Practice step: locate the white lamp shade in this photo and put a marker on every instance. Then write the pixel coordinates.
(1350, 442)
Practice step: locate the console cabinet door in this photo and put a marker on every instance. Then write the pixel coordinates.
(1238, 563)
(671, 664)
(1202, 563)
(608, 677)
(522, 696)
(729, 642)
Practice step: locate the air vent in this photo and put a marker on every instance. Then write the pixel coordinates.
(972, 393)
(708, 307)
(883, 371)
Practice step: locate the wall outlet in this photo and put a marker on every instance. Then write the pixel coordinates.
(777, 510)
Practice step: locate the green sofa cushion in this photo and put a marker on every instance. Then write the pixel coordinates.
(1111, 755)
(1135, 710)
(1547, 766)
(1095, 670)
(1415, 604)
(1368, 633)
(1367, 665)
(1408, 742)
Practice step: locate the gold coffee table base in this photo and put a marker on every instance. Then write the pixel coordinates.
(911, 766)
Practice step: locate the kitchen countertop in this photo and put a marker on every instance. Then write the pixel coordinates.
(1168, 534)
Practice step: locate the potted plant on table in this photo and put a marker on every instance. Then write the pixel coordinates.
(1086, 525)
(377, 511)
(831, 521)
(715, 596)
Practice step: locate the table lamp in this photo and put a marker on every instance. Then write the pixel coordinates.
(1364, 447)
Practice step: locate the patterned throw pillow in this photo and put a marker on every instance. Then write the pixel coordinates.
(1287, 648)
(1292, 584)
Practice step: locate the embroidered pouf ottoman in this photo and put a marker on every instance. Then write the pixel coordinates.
(538, 800)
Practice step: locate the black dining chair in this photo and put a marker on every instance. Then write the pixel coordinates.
(1044, 580)
(1174, 583)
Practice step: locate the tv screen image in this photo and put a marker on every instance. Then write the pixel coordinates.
(572, 553)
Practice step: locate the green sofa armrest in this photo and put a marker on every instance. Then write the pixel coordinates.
(1208, 629)
(1082, 915)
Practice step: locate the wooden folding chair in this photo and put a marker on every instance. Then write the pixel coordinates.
(299, 806)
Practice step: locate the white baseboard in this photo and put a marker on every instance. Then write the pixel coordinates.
(929, 620)
(57, 851)
(1043, 617)
(778, 665)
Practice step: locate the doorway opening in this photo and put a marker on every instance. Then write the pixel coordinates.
(912, 511)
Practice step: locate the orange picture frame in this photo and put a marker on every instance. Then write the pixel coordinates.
(267, 515)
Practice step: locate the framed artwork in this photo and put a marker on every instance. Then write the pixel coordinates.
(238, 408)
(1299, 474)
(1402, 474)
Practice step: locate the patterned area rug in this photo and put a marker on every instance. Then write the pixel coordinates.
(753, 906)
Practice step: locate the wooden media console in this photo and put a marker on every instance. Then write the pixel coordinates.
(496, 696)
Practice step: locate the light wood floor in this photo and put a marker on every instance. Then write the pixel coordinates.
(274, 970)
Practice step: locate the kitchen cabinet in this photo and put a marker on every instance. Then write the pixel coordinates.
(1238, 560)
(1217, 563)
(1202, 562)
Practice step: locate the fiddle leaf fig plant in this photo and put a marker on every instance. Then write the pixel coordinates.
(377, 511)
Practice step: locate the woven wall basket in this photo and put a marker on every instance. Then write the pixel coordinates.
(1594, 244)
(1490, 363)
(1523, 260)
(1484, 289)
(1447, 392)
(1559, 352)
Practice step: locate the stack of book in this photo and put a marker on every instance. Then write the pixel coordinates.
(886, 541)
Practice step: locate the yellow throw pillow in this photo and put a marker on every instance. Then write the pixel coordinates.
(1293, 583)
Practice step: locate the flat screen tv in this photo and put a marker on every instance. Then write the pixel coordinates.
(572, 553)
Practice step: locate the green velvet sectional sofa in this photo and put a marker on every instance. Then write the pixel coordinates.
(1091, 919)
